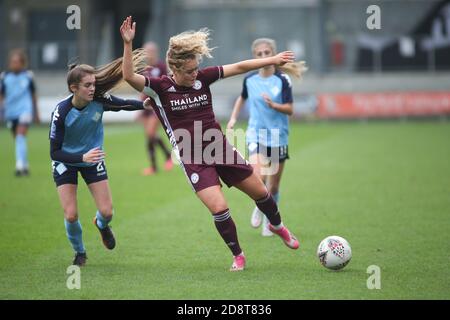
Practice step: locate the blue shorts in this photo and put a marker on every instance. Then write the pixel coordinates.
(269, 152)
(67, 174)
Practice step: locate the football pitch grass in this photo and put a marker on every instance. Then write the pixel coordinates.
(384, 186)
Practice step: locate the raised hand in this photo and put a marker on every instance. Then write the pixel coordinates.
(284, 57)
(128, 30)
(94, 155)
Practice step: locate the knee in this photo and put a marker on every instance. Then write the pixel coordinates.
(71, 214)
(259, 192)
(218, 208)
(21, 130)
(106, 211)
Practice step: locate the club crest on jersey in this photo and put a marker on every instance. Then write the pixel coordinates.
(155, 72)
(275, 91)
(252, 146)
(197, 85)
(194, 178)
(96, 116)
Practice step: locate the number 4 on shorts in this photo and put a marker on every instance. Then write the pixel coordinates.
(100, 167)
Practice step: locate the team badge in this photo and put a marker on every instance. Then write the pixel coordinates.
(275, 91)
(194, 178)
(197, 85)
(96, 116)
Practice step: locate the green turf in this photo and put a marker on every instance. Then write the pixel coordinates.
(384, 186)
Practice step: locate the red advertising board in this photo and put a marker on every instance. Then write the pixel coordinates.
(379, 105)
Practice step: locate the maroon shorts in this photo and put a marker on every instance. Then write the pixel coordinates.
(231, 170)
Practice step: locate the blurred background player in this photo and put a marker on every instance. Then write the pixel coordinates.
(76, 145)
(18, 99)
(155, 68)
(268, 94)
(175, 98)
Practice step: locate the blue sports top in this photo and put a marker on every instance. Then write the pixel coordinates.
(17, 90)
(263, 119)
(73, 132)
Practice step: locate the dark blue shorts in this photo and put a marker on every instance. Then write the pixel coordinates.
(269, 152)
(13, 124)
(67, 174)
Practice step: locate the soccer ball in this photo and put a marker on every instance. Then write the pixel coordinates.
(334, 252)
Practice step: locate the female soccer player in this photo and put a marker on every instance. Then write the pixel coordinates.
(184, 106)
(76, 145)
(268, 94)
(18, 97)
(156, 68)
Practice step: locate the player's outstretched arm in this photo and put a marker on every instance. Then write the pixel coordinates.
(113, 103)
(236, 110)
(280, 59)
(127, 31)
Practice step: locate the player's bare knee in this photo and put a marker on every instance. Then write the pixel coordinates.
(218, 208)
(106, 211)
(71, 215)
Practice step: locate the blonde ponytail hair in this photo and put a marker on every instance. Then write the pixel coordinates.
(295, 69)
(188, 45)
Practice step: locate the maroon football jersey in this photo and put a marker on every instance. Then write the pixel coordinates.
(158, 70)
(178, 107)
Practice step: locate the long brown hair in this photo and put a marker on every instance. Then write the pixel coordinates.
(107, 76)
(296, 69)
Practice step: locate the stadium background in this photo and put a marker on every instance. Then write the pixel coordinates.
(409, 54)
(384, 185)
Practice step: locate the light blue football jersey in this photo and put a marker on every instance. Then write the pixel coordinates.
(266, 125)
(17, 90)
(78, 130)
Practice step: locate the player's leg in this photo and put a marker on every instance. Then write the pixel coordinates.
(12, 125)
(255, 189)
(273, 182)
(20, 135)
(68, 197)
(273, 185)
(257, 160)
(96, 178)
(103, 200)
(154, 124)
(22, 149)
(150, 131)
(214, 199)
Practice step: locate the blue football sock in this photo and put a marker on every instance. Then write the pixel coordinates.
(276, 197)
(102, 222)
(21, 152)
(74, 234)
